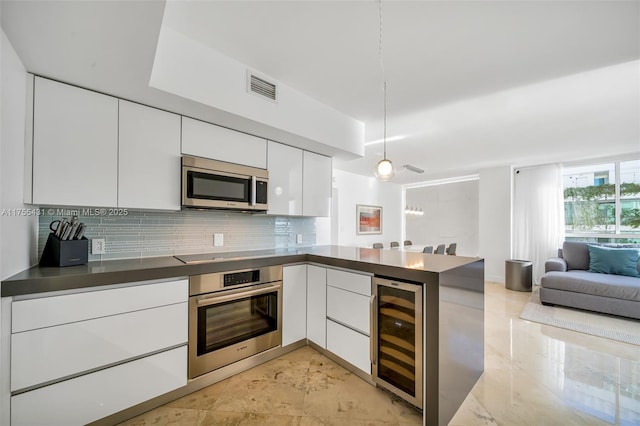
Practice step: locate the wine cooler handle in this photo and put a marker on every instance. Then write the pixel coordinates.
(373, 340)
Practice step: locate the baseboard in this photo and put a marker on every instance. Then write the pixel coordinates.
(499, 279)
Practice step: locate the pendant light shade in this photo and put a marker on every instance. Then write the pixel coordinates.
(384, 170)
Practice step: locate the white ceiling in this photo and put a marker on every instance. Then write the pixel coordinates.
(470, 84)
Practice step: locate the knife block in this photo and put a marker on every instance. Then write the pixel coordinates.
(64, 253)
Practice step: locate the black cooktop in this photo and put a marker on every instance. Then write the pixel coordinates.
(192, 259)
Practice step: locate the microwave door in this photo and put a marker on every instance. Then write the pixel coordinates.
(217, 190)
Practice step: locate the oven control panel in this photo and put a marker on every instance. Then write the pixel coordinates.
(244, 277)
(220, 281)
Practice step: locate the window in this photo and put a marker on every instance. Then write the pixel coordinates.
(630, 197)
(602, 202)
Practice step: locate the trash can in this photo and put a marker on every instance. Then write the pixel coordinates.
(517, 274)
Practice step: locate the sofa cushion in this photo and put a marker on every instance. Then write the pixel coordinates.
(625, 245)
(576, 254)
(605, 285)
(618, 261)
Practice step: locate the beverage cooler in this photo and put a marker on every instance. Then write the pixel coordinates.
(396, 338)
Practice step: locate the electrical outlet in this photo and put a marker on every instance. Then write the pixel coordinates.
(218, 240)
(299, 239)
(98, 246)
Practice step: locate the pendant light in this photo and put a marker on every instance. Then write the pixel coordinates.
(384, 170)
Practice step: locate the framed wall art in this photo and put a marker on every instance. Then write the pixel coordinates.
(369, 219)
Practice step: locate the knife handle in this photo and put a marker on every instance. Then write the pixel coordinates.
(80, 232)
(61, 227)
(66, 231)
(72, 231)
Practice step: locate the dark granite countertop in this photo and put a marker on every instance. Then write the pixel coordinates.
(413, 266)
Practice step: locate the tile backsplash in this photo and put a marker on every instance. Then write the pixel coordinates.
(147, 233)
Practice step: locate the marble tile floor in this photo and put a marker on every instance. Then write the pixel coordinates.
(534, 375)
(302, 387)
(537, 374)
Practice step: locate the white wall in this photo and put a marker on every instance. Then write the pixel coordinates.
(495, 202)
(220, 81)
(349, 190)
(450, 216)
(19, 232)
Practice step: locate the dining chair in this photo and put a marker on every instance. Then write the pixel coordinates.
(408, 243)
(428, 249)
(377, 245)
(395, 244)
(451, 250)
(440, 249)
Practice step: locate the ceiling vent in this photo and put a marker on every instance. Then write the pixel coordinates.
(413, 168)
(261, 87)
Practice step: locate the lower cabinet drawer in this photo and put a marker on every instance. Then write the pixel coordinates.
(64, 309)
(349, 345)
(351, 281)
(349, 308)
(53, 353)
(93, 396)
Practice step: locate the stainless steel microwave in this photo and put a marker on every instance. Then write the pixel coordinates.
(219, 185)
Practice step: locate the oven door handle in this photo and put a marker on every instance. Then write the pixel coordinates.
(215, 299)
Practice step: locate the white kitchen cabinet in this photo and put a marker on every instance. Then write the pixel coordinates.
(294, 303)
(75, 146)
(350, 309)
(285, 179)
(348, 298)
(350, 281)
(90, 397)
(51, 353)
(317, 305)
(148, 158)
(349, 345)
(349, 316)
(316, 185)
(218, 143)
(55, 310)
(82, 356)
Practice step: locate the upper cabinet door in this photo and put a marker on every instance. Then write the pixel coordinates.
(316, 185)
(218, 143)
(149, 158)
(285, 179)
(75, 146)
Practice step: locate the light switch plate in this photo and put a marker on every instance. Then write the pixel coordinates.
(299, 239)
(218, 240)
(98, 246)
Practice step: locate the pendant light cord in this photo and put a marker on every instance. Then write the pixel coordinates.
(384, 83)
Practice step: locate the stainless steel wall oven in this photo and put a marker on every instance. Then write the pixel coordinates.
(396, 338)
(232, 316)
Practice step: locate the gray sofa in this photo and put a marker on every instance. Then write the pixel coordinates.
(568, 282)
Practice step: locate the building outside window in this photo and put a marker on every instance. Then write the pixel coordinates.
(602, 202)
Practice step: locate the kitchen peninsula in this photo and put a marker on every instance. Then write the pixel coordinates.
(453, 305)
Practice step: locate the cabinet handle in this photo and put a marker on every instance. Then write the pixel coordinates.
(373, 339)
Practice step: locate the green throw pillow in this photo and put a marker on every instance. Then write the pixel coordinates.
(618, 261)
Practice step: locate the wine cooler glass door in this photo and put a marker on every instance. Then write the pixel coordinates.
(397, 363)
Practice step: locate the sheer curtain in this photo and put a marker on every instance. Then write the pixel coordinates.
(538, 215)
